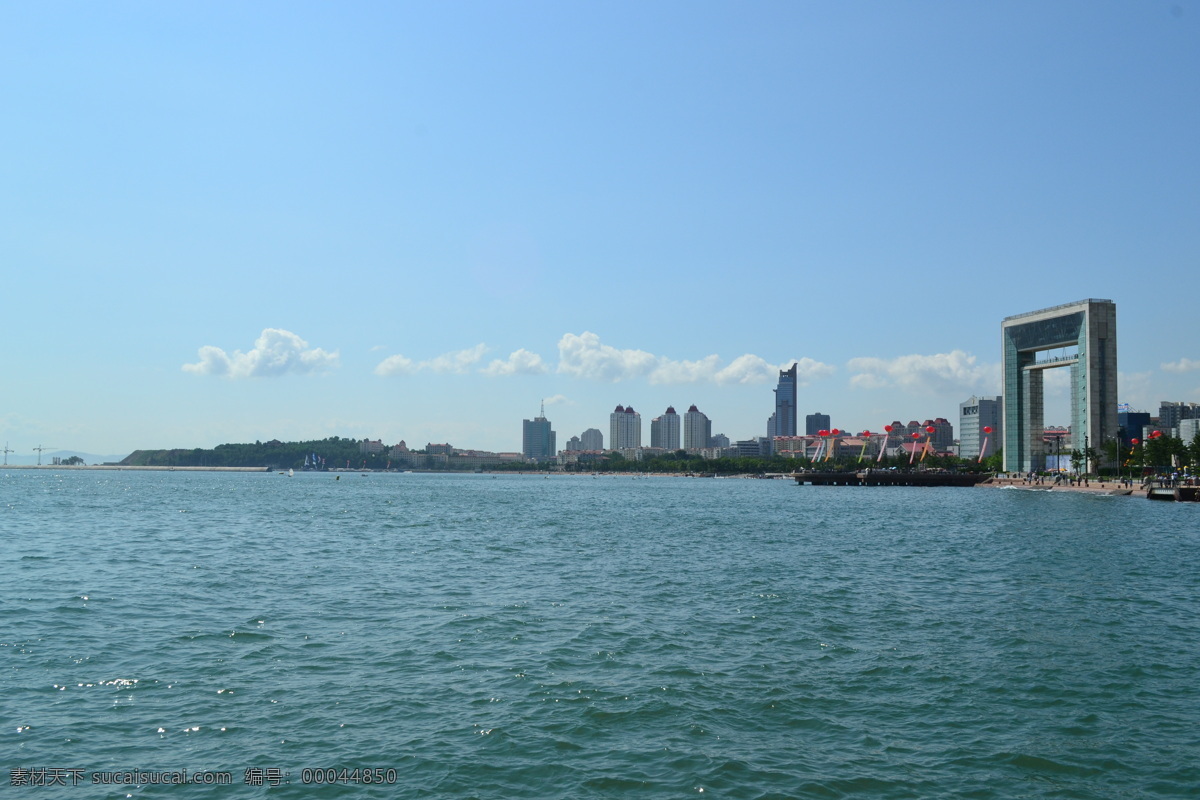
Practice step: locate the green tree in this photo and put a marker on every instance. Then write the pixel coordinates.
(1161, 452)
(1112, 453)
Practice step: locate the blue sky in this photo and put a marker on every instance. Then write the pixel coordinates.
(239, 221)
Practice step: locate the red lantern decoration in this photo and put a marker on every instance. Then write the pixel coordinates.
(822, 432)
(1155, 434)
(916, 435)
(930, 429)
(887, 428)
(987, 428)
(865, 433)
(835, 431)
(1136, 441)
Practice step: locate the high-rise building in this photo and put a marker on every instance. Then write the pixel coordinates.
(624, 428)
(784, 423)
(615, 420)
(1085, 333)
(697, 429)
(973, 416)
(1171, 414)
(1131, 425)
(814, 423)
(537, 438)
(591, 439)
(664, 430)
(750, 447)
(942, 438)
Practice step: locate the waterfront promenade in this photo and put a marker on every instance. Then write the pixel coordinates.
(1113, 487)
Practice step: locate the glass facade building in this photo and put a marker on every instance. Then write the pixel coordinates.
(1084, 334)
(784, 419)
(537, 439)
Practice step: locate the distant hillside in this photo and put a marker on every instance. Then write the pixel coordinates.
(334, 452)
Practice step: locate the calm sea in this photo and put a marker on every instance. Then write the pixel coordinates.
(592, 637)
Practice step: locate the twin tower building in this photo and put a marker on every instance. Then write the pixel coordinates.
(670, 431)
(694, 430)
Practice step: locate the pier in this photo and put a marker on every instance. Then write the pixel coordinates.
(889, 478)
(1179, 494)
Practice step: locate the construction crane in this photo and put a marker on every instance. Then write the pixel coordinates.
(39, 448)
(6, 452)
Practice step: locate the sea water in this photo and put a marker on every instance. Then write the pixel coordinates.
(515, 636)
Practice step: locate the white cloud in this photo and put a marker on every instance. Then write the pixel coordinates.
(276, 352)
(519, 362)
(396, 365)
(1056, 381)
(584, 356)
(1182, 365)
(667, 371)
(955, 371)
(457, 362)
(1137, 389)
(752, 369)
(557, 399)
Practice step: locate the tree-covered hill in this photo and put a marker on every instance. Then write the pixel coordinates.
(334, 452)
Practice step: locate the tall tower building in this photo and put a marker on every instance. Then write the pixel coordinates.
(537, 438)
(664, 430)
(697, 429)
(785, 403)
(624, 428)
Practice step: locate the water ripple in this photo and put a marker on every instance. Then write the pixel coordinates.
(600, 638)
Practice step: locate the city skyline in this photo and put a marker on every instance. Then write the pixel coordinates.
(229, 223)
